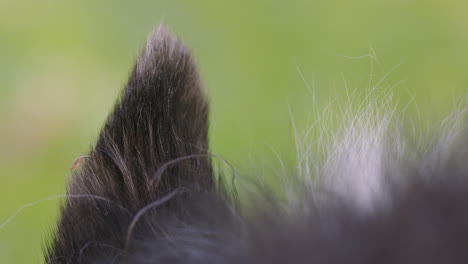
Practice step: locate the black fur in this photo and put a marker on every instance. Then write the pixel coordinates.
(161, 116)
(147, 193)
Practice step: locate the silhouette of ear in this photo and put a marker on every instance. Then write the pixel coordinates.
(161, 116)
(153, 143)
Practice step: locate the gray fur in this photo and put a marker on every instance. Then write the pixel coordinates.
(148, 193)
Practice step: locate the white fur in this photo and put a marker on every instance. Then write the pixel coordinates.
(367, 153)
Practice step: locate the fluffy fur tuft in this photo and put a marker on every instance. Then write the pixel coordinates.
(146, 192)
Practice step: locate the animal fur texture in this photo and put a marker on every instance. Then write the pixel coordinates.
(147, 191)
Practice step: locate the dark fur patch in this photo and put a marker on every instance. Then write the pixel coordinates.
(146, 193)
(161, 116)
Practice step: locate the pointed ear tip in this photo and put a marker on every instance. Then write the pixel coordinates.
(161, 31)
(162, 27)
(163, 46)
(161, 34)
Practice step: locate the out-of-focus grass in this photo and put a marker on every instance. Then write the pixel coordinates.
(62, 64)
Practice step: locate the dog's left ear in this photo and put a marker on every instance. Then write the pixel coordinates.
(153, 143)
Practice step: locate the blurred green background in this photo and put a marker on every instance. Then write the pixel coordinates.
(62, 64)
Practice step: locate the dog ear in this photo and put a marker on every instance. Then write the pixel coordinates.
(153, 143)
(161, 116)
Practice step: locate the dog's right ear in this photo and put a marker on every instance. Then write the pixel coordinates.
(162, 116)
(153, 144)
